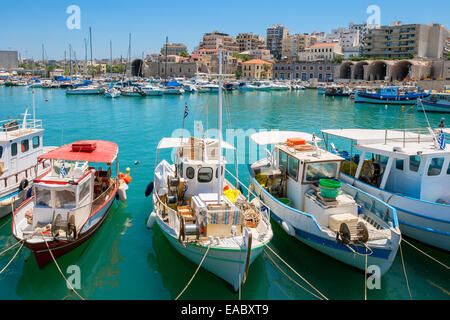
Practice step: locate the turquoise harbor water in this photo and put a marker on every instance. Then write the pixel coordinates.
(125, 260)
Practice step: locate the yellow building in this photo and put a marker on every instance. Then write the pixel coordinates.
(257, 69)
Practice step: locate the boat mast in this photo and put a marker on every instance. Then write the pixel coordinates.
(43, 61)
(70, 58)
(220, 127)
(85, 59)
(90, 44)
(165, 67)
(129, 53)
(110, 56)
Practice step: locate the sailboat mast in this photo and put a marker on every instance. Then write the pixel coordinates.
(70, 58)
(90, 44)
(129, 52)
(220, 127)
(110, 56)
(43, 60)
(85, 58)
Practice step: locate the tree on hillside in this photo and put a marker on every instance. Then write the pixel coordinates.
(184, 54)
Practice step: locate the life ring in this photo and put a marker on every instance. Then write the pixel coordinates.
(23, 184)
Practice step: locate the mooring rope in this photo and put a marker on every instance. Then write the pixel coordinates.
(14, 245)
(5, 224)
(195, 273)
(293, 270)
(404, 271)
(59, 269)
(427, 255)
(295, 282)
(17, 252)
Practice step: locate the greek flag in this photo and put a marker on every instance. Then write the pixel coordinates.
(186, 111)
(441, 141)
(63, 171)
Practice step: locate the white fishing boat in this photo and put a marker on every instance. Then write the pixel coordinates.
(112, 92)
(21, 143)
(132, 91)
(202, 214)
(410, 170)
(173, 87)
(86, 90)
(71, 200)
(263, 86)
(280, 86)
(297, 182)
(151, 90)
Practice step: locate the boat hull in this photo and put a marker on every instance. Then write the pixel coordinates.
(379, 99)
(420, 220)
(227, 264)
(430, 106)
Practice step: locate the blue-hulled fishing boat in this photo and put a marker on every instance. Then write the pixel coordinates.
(389, 95)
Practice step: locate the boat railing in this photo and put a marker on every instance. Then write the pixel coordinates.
(408, 135)
(16, 127)
(173, 220)
(26, 173)
(372, 206)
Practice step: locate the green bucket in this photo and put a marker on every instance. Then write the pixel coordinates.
(285, 201)
(329, 188)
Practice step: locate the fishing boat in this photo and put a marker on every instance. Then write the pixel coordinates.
(71, 200)
(151, 90)
(337, 91)
(436, 102)
(86, 90)
(410, 170)
(21, 142)
(297, 181)
(132, 91)
(203, 215)
(112, 92)
(263, 86)
(389, 95)
(245, 87)
(173, 87)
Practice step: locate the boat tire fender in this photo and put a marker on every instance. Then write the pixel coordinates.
(288, 228)
(23, 184)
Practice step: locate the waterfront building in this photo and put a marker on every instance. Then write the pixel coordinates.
(275, 36)
(404, 41)
(347, 38)
(172, 48)
(250, 41)
(321, 70)
(321, 52)
(257, 69)
(261, 54)
(215, 39)
(296, 43)
(9, 60)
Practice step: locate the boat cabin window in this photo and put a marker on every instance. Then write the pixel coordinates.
(64, 199)
(282, 159)
(14, 149)
(448, 170)
(180, 170)
(25, 145)
(414, 163)
(43, 198)
(84, 190)
(435, 167)
(293, 168)
(205, 175)
(190, 173)
(320, 170)
(36, 142)
(400, 164)
(1, 151)
(217, 173)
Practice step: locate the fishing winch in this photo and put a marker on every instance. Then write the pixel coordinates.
(352, 233)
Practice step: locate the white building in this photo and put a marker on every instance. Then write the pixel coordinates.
(322, 52)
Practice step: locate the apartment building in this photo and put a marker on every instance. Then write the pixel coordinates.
(322, 52)
(296, 43)
(257, 69)
(215, 39)
(172, 48)
(411, 40)
(250, 41)
(274, 40)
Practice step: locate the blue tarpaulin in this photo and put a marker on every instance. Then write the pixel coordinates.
(173, 84)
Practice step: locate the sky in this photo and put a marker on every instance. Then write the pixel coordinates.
(26, 24)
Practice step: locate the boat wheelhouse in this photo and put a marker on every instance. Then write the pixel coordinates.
(21, 143)
(390, 95)
(410, 170)
(71, 200)
(298, 183)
